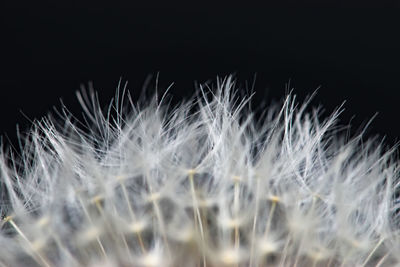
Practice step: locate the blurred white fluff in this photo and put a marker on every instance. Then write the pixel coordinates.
(203, 184)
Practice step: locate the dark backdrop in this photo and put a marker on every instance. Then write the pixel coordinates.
(349, 54)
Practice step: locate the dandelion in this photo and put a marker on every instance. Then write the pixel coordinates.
(201, 184)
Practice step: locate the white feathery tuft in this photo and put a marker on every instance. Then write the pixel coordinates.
(202, 184)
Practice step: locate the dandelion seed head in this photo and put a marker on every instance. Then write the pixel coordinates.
(204, 183)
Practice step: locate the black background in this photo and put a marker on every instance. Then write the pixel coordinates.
(47, 52)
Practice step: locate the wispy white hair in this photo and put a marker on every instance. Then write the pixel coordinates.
(206, 183)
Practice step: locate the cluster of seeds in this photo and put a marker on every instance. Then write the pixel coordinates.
(203, 184)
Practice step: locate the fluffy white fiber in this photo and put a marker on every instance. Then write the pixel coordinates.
(202, 184)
